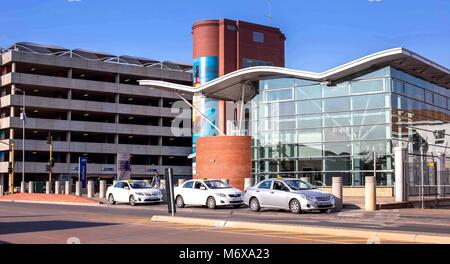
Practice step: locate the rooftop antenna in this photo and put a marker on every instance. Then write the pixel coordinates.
(269, 16)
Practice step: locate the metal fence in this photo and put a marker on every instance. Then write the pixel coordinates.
(424, 180)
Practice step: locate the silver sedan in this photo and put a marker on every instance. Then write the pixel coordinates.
(290, 194)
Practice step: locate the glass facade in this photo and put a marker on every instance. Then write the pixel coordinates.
(303, 128)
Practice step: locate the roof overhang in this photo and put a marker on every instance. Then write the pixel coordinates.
(230, 86)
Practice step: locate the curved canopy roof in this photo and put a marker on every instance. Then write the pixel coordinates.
(230, 86)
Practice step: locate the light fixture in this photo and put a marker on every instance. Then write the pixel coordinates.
(34, 152)
(131, 117)
(170, 103)
(82, 75)
(130, 99)
(86, 95)
(87, 114)
(35, 132)
(171, 139)
(85, 154)
(33, 69)
(36, 90)
(35, 111)
(127, 80)
(171, 157)
(85, 134)
(130, 136)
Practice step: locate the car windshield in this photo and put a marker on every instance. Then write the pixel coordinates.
(216, 184)
(139, 185)
(297, 185)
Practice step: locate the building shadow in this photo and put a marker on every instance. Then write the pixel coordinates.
(42, 226)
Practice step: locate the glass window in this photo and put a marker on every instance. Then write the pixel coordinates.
(308, 136)
(188, 184)
(337, 164)
(280, 109)
(336, 104)
(337, 120)
(310, 150)
(265, 185)
(337, 134)
(370, 117)
(398, 86)
(337, 149)
(428, 97)
(308, 92)
(369, 132)
(440, 101)
(368, 102)
(335, 91)
(309, 121)
(199, 185)
(367, 86)
(279, 95)
(414, 91)
(277, 83)
(258, 37)
(309, 107)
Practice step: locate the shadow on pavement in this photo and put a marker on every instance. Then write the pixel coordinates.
(40, 226)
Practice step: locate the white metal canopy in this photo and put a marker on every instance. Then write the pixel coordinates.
(231, 86)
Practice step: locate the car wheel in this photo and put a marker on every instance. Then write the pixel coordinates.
(111, 199)
(254, 205)
(179, 201)
(211, 203)
(295, 207)
(132, 200)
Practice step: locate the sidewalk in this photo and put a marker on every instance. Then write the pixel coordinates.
(48, 198)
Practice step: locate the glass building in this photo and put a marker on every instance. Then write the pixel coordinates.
(305, 128)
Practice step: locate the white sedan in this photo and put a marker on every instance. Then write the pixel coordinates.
(133, 192)
(212, 193)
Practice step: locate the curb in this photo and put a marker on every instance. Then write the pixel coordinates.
(354, 233)
(56, 203)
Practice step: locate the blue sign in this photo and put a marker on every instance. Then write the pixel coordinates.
(82, 168)
(152, 170)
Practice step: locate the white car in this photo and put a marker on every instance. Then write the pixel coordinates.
(212, 193)
(290, 194)
(133, 192)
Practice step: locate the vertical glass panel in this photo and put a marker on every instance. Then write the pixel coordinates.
(277, 83)
(287, 165)
(337, 134)
(280, 109)
(336, 104)
(308, 136)
(310, 150)
(369, 86)
(370, 117)
(309, 107)
(337, 149)
(309, 121)
(428, 97)
(308, 92)
(440, 101)
(335, 91)
(397, 86)
(414, 91)
(368, 102)
(337, 164)
(279, 95)
(369, 132)
(337, 120)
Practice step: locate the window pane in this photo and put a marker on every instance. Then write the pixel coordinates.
(414, 91)
(310, 136)
(367, 86)
(309, 150)
(369, 132)
(368, 102)
(280, 109)
(362, 148)
(337, 104)
(277, 83)
(309, 107)
(398, 86)
(337, 149)
(440, 101)
(337, 134)
(279, 95)
(336, 120)
(310, 121)
(308, 92)
(428, 97)
(370, 117)
(335, 91)
(337, 164)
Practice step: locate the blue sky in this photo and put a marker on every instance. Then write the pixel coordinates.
(320, 33)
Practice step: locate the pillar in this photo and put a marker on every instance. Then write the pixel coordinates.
(57, 187)
(442, 172)
(23, 187)
(78, 188)
(337, 192)
(90, 189)
(248, 182)
(400, 177)
(48, 187)
(102, 189)
(67, 187)
(370, 193)
(31, 187)
(181, 181)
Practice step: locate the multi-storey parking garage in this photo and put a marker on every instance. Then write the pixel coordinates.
(91, 104)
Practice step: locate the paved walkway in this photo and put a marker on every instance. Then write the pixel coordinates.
(42, 197)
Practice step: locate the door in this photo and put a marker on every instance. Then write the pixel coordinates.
(186, 192)
(263, 193)
(279, 195)
(125, 192)
(199, 193)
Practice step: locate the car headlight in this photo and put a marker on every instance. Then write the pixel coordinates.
(309, 198)
(140, 194)
(221, 195)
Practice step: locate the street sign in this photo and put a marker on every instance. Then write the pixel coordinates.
(82, 168)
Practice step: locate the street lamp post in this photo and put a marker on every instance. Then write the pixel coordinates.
(23, 117)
